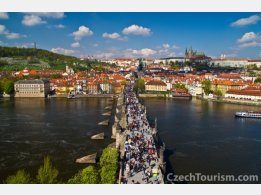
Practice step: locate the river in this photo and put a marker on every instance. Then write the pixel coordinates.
(205, 137)
(200, 136)
(59, 127)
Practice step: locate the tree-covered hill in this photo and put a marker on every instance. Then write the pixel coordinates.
(32, 52)
(14, 59)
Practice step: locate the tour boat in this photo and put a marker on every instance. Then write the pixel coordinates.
(249, 114)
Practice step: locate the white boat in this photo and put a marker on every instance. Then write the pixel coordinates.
(249, 114)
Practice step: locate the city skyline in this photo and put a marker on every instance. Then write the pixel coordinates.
(149, 35)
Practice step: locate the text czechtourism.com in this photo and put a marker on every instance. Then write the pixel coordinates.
(199, 177)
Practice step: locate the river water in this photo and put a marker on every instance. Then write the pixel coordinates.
(59, 127)
(201, 137)
(205, 137)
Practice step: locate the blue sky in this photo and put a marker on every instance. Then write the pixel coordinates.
(151, 35)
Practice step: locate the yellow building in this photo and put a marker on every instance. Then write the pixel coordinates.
(225, 85)
(156, 85)
(32, 88)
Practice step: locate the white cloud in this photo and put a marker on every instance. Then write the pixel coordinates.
(82, 32)
(59, 26)
(56, 15)
(143, 52)
(247, 21)
(175, 47)
(2, 29)
(249, 39)
(11, 35)
(3, 15)
(136, 30)
(124, 38)
(249, 36)
(166, 46)
(166, 50)
(104, 55)
(62, 51)
(230, 55)
(111, 36)
(249, 44)
(75, 45)
(32, 20)
(8, 34)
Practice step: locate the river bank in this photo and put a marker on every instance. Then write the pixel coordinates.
(66, 95)
(86, 95)
(222, 100)
(232, 101)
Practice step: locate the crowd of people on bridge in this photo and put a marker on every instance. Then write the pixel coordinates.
(140, 163)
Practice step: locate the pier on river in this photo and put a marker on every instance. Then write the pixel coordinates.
(141, 152)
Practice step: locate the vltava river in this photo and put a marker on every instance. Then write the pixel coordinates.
(59, 127)
(205, 137)
(201, 137)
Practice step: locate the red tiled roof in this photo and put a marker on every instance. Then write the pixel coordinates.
(156, 82)
(229, 76)
(227, 82)
(254, 60)
(244, 92)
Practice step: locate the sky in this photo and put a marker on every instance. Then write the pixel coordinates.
(149, 35)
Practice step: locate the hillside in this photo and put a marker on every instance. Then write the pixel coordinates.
(13, 58)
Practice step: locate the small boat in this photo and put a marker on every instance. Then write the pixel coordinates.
(248, 114)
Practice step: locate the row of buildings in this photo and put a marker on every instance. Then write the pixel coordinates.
(229, 85)
(67, 81)
(190, 56)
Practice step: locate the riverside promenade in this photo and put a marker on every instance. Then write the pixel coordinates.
(142, 160)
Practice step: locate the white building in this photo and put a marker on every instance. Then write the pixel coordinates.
(186, 69)
(105, 87)
(256, 62)
(230, 62)
(253, 95)
(32, 88)
(169, 60)
(195, 88)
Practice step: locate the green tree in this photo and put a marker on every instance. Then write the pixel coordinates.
(140, 85)
(21, 177)
(47, 174)
(1, 87)
(56, 76)
(252, 73)
(109, 156)
(258, 80)
(218, 93)
(89, 175)
(206, 86)
(180, 86)
(109, 165)
(7, 86)
(108, 174)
